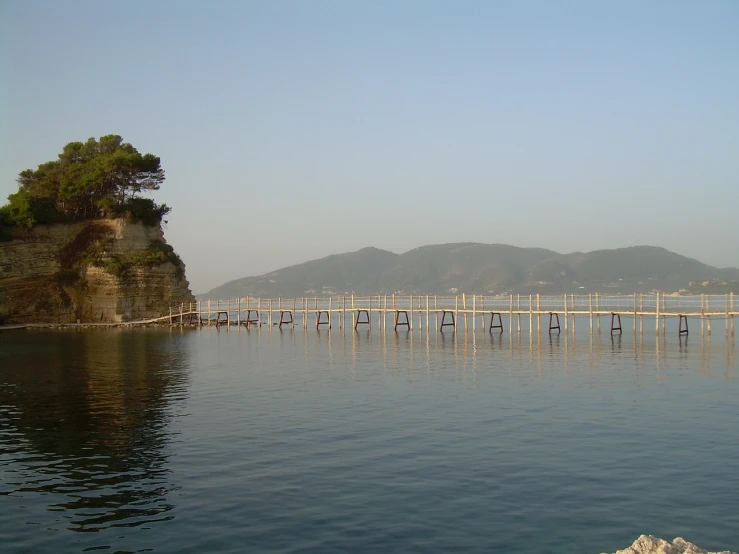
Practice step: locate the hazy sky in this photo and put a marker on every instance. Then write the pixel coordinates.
(290, 130)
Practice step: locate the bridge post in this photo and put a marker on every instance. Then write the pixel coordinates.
(634, 313)
(531, 316)
(510, 317)
(427, 313)
(574, 316)
(538, 315)
(518, 309)
(590, 309)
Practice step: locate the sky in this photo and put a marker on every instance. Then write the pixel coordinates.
(291, 130)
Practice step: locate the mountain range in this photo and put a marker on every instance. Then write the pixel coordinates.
(489, 269)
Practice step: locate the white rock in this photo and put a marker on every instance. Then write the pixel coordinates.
(647, 544)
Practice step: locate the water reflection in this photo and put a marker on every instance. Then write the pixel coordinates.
(83, 421)
(458, 354)
(616, 341)
(88, 421)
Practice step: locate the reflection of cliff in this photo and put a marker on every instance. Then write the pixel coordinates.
(101, 270)
(87, 412)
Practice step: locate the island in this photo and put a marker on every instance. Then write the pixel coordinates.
(81, 243)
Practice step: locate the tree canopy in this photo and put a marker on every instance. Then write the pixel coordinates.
(93, 179)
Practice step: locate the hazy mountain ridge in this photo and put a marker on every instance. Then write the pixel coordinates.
(476, 268)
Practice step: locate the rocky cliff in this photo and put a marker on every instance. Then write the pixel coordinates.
(93, 271)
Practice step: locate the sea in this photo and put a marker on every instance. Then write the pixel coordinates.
(295, 440)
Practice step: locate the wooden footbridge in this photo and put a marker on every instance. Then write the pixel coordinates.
(552, 314)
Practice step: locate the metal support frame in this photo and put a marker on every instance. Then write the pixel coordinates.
(681, 330)
(444, 322)
(492, 322)
(220, 321)
(614, 327)
(553, 327)
(251, 319)
(398, 322)
(362, 321)
(283, 321)
(319, 321)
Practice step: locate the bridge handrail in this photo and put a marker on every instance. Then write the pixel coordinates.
(596, 303)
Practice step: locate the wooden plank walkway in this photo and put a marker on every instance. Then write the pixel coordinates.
(439, 312)
(18, 326)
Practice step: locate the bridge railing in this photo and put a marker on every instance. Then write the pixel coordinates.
(642, 303)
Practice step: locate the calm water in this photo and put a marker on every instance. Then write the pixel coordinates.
(295, 441)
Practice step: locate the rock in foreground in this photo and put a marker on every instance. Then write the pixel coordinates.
(647, 544)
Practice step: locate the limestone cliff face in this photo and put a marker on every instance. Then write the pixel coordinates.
(93, 271)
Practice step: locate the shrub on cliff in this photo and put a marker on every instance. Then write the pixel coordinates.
(144, 210)
(4, 232)
(94, 179)
(25, 210)
(156, 254)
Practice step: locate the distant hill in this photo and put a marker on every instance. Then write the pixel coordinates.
(475, 268)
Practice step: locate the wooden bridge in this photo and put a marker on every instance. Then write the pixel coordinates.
(440, 313)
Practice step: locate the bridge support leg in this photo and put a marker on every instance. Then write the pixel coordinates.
(220, 321)
(252, 318)
(552, 327)
(359, 319)
(615, 326)
(320, 321)
(681, 330)
(444, 322)
(494, 325)
(398, 322)
(284, 321)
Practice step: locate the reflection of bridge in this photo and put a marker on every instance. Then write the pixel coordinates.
(442, 312)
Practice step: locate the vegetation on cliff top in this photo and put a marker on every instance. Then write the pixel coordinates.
(91, 180)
